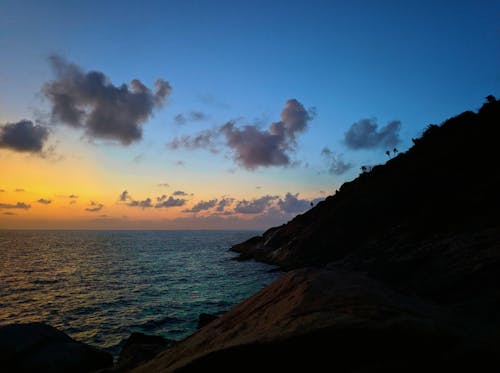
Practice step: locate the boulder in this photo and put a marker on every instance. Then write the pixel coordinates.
(205, 319)
(139, 348)
(37, 347)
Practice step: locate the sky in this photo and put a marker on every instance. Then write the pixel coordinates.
(221, 114)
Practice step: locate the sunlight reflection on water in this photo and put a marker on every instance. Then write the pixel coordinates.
(99, 286)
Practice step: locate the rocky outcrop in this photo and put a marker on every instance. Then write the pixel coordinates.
(326, 320)
(406, 271)
(446, 183)
(38, 347)
(205, 319)
(139, 348)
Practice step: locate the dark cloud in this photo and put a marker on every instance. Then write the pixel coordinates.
(124, 196)
(18, 205)
(90, 101)
(223, 203)
(171, 202)
(179, 193)
(336, 164)
(2, 190)
(23, 136)
(292, 204)
(161, 198)
(143, 204)
(72, 196)
(94, 207)
(255, 148)
(163, 185)
(44, 201)
(366, 135)
(202, 206)
(255, 206)
(252, 146)
(180, 163)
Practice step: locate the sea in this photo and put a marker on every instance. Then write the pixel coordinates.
(100, 286)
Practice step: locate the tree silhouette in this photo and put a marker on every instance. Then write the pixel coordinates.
(490, 98)
(388, 153)
(395, 151)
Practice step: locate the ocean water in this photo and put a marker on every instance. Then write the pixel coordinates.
(100, 286)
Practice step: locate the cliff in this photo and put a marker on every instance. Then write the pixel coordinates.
(398, 271)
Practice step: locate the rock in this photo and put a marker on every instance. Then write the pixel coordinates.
(418, 194)
(205, 319)
(324, 320)
(37, 347)
(139, 348)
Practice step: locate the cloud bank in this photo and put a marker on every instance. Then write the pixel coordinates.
(18, 205)
(88, 100)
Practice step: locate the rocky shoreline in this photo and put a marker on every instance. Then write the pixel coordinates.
(398, 271)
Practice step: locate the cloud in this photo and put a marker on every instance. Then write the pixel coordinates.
(72, 196)
(143, 204)
(124, 196)
(171, 202)
(255, 148)
(202, 206)
(365, 134)
(44, 201)
(180, 119)
(2, 190)
(193, 116)
(206, 139)
(223, 203)
(292, 204)
(23, 136)
(163, 185)
(18, 205)
(19, 190)
(9, 213)
(88, 100)
(95, 207)
(179, 193)
(255, 206)
(336, 165)
(72, 202)
(252, 146)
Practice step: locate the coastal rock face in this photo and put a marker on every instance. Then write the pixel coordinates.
(447, 182)
(406, 268)
(37, 347)
(139, 348)
(324, 320)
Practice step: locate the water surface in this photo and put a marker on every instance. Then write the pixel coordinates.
(99, 286)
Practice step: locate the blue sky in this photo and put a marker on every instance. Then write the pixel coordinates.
(417, 63)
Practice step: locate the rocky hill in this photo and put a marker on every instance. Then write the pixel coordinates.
(398, 271)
